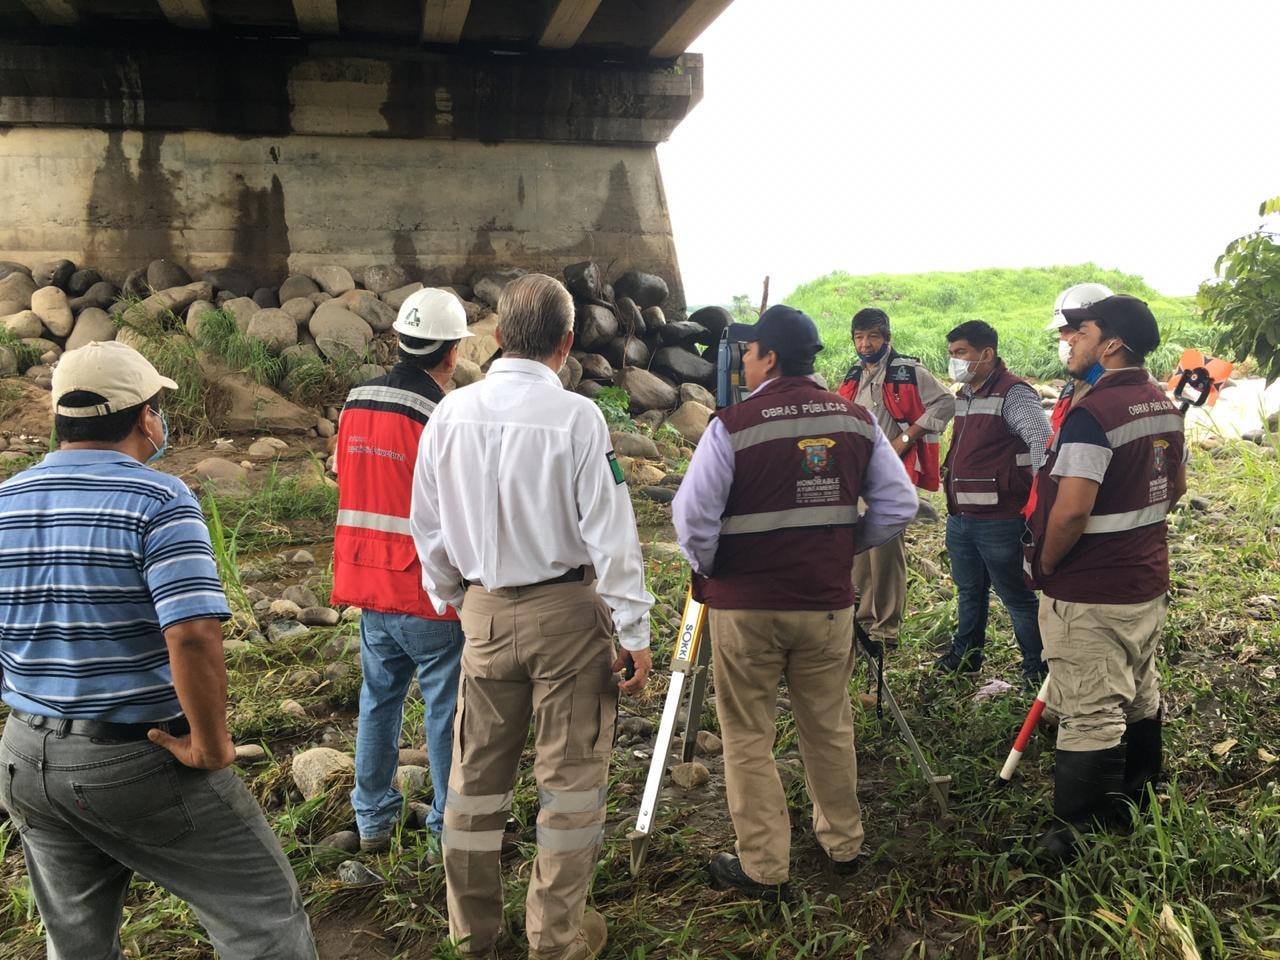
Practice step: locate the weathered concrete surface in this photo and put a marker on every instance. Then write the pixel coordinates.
(116, 199)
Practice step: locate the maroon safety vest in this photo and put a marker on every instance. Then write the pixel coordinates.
(1123, 555)
(786, 534)
(988, 466)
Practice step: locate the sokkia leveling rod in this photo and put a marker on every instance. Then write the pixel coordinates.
(688, 668)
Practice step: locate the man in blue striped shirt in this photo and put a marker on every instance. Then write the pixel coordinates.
(115, 754)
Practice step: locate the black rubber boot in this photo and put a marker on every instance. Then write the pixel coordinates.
(726, 872)
(1087, 786)
(1144, 756)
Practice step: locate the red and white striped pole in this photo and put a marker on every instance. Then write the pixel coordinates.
(1024, 735)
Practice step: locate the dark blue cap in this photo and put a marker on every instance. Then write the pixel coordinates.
(786, 331)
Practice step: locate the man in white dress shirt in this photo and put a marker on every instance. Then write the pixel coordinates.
(523, 523)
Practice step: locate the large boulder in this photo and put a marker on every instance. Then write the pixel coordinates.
(626, 352)
(266, 298)
(175, 299)
(366, 305)
(81, 281)
(339, 332)
(646, 289)
(232, 279)
(17, 288)
(488, 285)
(300, 308)
(92, 324)
(692, 391)
(394, 298)
(594, 327)
(715, 319)
(683, 366)
(50, 305)
(466, 373)
(382, 277)
(8, 363)
(683, 333)
(23, 324)
(297, 286)
(275, 328)
(653, 318)
(594, 366)
(631, 318)
(53, 273)
(12, 266)
(165, 274)
(101, 295)
(634, 445)
(584, 280)
(243, 406)
(316, 770)
(135, 284)
(690, 420)
(571, 373)
(647, 391)
(334, 280)
(242, 309)
(481, 347)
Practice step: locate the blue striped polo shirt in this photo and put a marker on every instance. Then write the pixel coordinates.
(98, 555)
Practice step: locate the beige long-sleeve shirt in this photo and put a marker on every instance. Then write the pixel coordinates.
(939, 403)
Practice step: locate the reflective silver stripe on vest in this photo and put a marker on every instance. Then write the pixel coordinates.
(476, 841)
(989, 499)
(982, 406)
(405, 398)
(795, 517)
(478, 805)
(572, 801)
(1117, 522)
(805, 427)
(1023, 459)
(373, 521)
(1146, 427)
(568, 840)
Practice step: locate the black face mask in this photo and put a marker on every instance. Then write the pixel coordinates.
(875, 357)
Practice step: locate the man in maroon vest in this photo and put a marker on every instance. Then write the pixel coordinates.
(767, 516)
(997, 443)
(1098, 548)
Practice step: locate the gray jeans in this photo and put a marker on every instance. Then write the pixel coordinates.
(91, 814)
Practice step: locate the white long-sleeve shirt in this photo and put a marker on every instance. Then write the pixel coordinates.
(515, 484)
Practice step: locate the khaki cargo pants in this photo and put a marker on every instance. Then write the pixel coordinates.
(542, 652)
(1102, 667)
(813, 649)
(880, 577)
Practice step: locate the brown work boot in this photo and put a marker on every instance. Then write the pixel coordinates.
(586, 945)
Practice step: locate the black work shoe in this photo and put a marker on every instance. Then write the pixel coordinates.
(951, 662)
(844, 867)
(1087, 791)
(726, 872)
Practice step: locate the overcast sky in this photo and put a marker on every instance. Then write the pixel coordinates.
(940, 135)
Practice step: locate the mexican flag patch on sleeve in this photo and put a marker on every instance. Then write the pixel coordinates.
(614, 467)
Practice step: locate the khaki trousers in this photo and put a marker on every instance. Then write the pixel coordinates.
(880, 577)
(543, 653)
(813, 649)
(1102, 667)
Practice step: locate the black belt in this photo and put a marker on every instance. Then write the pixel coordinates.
(101, 729)
(576, 575)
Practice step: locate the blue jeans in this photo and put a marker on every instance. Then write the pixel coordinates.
(393, 647)
(986, 554)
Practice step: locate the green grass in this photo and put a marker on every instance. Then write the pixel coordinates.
(1018, 303)
(267, 516)
(1207, 859)
(24, 355)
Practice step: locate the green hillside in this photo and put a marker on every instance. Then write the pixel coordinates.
(1018, 303)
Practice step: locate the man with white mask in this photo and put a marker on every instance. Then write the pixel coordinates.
(997, 444)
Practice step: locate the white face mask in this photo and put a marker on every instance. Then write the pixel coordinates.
(1064, 351)
(961, 370)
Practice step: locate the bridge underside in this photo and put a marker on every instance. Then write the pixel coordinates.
(521, 134)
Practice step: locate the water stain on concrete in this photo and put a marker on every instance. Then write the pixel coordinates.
(260, 235)
(132, 217)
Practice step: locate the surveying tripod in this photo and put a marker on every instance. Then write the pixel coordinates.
(690, 665)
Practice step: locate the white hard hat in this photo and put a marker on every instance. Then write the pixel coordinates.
(432, 315)
(1073, 298)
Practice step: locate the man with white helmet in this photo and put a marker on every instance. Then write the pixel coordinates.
(1075, 297)
(376, 568)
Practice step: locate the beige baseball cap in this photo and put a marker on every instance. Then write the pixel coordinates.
(113, 370)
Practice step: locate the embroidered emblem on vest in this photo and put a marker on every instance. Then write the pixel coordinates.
(817, 454)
